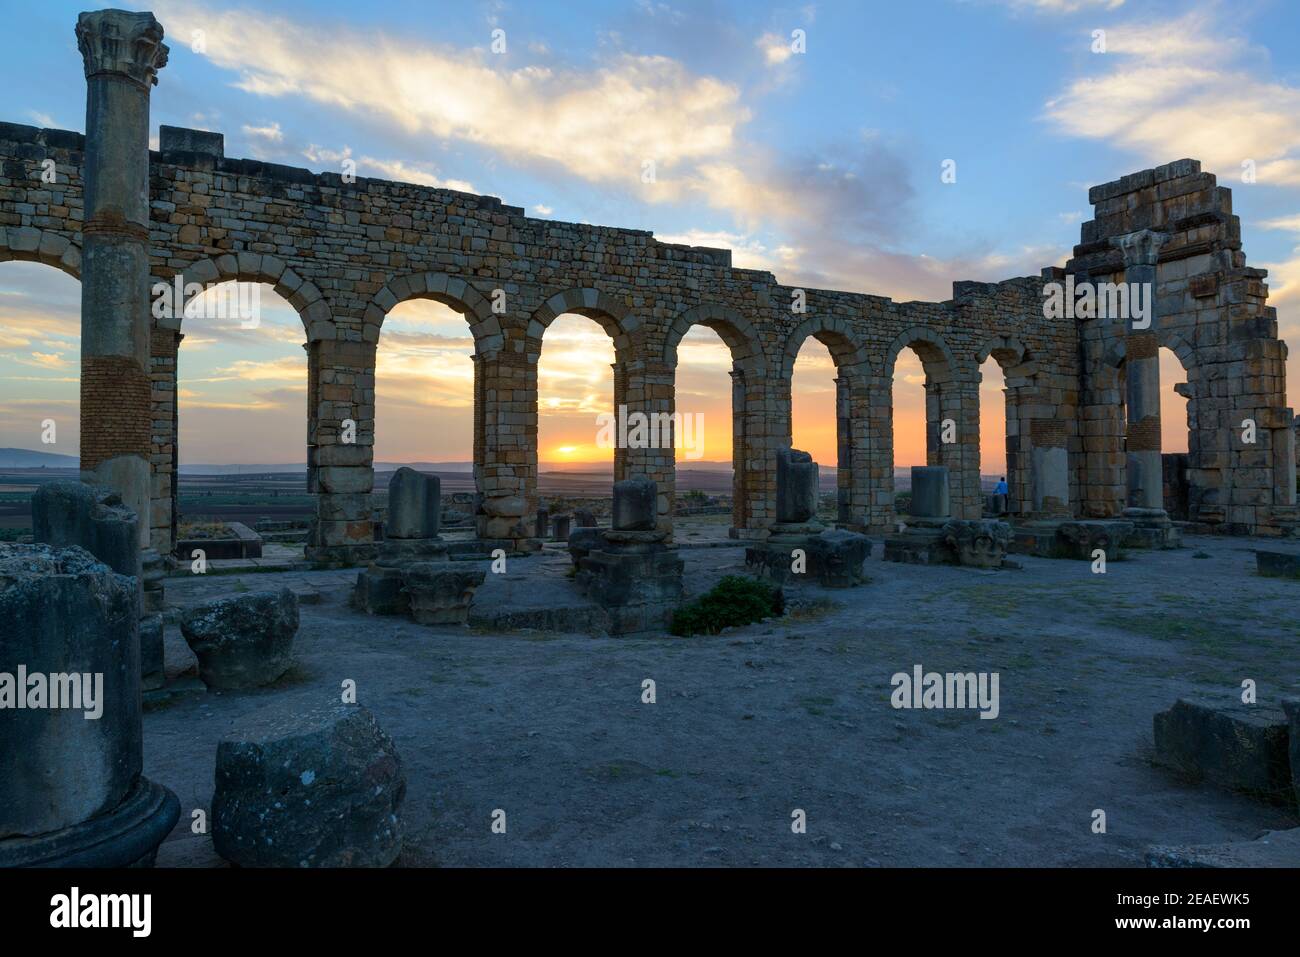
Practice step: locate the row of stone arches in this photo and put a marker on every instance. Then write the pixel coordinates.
(863, 405)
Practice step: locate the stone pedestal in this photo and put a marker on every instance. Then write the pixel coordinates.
(830, 557)
(630, 571)
(410, 535)
(560, 528)
(440, 593)
(71, 792)
(932, 537)
(1152, 528)
(1072, 538)
(799, 547)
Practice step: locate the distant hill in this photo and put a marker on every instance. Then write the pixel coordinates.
(31, 459)
(294, 468)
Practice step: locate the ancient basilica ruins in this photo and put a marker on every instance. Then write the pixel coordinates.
(1083, 416)
(345, 253)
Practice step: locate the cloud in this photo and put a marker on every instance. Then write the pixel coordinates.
(1186, 87)
(1060, 6)
(776, 49)
(270, 133)
(630, 109)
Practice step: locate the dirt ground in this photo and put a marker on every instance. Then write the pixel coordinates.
(794, 713)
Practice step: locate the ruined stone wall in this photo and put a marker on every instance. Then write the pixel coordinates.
(344, 254)
(1213, 314)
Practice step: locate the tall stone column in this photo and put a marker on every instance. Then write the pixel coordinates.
(122, 53)
(1142, 364)
(1145, 495)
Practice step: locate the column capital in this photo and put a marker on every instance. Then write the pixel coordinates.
(122, 43)
(1140, 248)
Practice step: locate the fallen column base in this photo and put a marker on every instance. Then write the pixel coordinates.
(127, 836)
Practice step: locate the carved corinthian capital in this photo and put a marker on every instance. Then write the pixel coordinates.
(122, 43)
(1141, 248)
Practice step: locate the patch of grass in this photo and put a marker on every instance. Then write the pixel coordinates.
(815, 705)
(735, 600)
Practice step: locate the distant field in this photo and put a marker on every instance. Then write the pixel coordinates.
(283, 496)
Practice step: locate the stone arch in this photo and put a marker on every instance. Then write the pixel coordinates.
(29, 244)
(839, 337)
(609, 313)
(731, 326)
(451, 291)
(951, 393)
(926, 343)
(613, 315)
(1008, 350)
(853, 434)
(1020, 372)
(300, 293)
(748, 376)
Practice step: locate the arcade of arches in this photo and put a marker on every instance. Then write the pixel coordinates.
(344, 255)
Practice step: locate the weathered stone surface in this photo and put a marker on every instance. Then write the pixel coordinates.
(1237, 746)
(543, 529)
(1079, 540)
(1276, 563)
(560, 528)
(583, 518)
(920, 545)
(92, 517)
(930, 496)
(403, 551)
(414, 505)
(978, 544)
(64, 613)
(245, 641)
(315, 787)
(440, 592)
(635, 504)
(152, 672)
(832, 558)
(637, 583)
(582, 540)
(796, 486)
(1291, 708)
(379, 591)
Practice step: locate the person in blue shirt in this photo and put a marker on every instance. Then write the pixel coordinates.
(1000, 495)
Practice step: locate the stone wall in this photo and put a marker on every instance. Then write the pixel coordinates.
(344, 254)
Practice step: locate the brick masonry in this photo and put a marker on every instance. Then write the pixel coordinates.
(344, 254)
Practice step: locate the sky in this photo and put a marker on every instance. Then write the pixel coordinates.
(823, 166)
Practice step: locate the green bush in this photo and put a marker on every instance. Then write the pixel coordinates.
(735, 600)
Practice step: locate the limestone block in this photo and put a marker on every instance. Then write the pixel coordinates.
(440, 592)
(321, 787)
(245, 641)
(930, 497)
(635, 504)
(1236, 746)
(92, 517)
(64, 613)
(796, 486)
(414, 505)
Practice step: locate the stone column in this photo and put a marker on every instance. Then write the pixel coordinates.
(122, 53)
(1049, 469)
(1141, 250)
